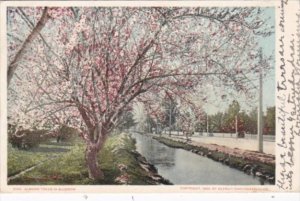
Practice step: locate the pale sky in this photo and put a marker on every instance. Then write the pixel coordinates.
(268, 46)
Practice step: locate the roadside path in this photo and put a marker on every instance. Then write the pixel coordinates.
(240, 143)
(247, 154)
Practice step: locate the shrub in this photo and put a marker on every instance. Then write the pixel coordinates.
(27, 139)
(67, 134)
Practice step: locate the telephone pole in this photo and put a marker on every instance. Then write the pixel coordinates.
(236, 126)
(260, 106)
(207, 124)
(170, 120)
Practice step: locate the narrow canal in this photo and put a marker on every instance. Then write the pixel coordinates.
(183, 167)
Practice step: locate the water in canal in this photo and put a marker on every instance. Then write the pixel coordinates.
(183, 167)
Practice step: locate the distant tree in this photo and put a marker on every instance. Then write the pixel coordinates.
(244, 122)
(201, 123)
(252, 123)
(127, 121)
(66, 134)
(269, 123)
(187, 122)
(216, 121)
(139, 116)
(169, 106)
(230, 116)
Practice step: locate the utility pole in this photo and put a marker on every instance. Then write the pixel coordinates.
(170, 120)
(236, 126)
(260, 105)
(149, 125)
(207, 124)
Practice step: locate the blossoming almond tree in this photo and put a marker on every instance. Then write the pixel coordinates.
(91, 64)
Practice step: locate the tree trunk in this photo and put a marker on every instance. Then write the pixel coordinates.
(93, 167)
(34, 33)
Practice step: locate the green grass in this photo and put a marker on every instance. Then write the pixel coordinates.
(118, 152)
(19, 160)
(69, 167)
(65, 169)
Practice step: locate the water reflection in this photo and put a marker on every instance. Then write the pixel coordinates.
(154, 152)
(184, 167)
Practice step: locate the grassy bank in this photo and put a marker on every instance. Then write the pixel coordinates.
(256, 168)
(19, 160)
(118, 160)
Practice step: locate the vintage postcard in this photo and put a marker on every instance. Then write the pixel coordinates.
(150, 96)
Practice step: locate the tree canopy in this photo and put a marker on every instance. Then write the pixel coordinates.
(86, 66)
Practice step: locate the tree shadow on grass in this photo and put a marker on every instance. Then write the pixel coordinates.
(49, 150)
(63, 144)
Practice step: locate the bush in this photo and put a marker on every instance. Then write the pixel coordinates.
(27, 139)
(67, 134)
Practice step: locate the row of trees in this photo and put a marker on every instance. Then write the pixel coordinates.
(178, 119)
(225, 122)
(87, 66)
